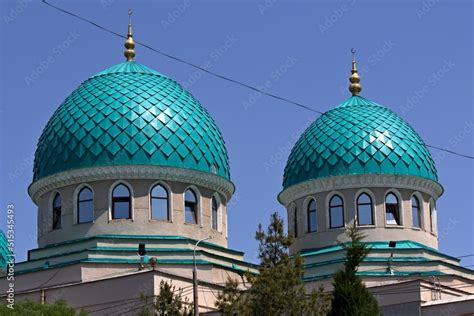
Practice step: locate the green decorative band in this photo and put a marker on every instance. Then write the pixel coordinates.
(305, 188)
(86, 175)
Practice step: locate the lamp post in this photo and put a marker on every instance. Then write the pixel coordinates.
(195, 280)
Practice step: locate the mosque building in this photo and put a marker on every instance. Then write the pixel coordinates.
(132, 182)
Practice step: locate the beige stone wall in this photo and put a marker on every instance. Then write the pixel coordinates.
(140, 223)
(380, 231)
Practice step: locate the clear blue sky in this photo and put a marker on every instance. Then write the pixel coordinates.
(416, 58)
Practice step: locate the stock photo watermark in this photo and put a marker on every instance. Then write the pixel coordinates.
(431, 82)
(214, 56)
(11, 255)
(174, 15)
(16, 11)
(274, 77)
(46, 62)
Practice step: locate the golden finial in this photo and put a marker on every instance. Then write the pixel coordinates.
(355, 86)
(129, 43)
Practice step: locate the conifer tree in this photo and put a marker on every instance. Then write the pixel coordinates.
(350, 296)
(278, 287)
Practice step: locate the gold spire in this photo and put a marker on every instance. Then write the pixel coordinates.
(355, 86)
(129, 43)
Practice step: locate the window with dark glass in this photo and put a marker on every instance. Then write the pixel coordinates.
(190, 207)
(85, 206)
(431, 216)
(214, 213)
(312, 220)
(365, 210)
(392, 209)
(295, 222)
(121, 202)
(57, 210)
(416, 212)
(159, 203)
(336, 212)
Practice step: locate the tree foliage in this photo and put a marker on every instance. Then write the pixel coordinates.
(278, 287)
(169, 302)
(30, 308)
(350, 296)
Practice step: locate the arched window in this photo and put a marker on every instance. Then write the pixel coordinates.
(312, 220)
(431, 216)
(336, 212)
(57, 210)
(159, 203)
(214, 213)
(365, 210)
(415, 212)
(295, 222)
(85, 206)
(190, 207)
(392, 209)
(121, 202)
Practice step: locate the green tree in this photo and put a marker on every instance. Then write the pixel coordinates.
(350, 296)
(169, 302)
(278, 288)
(30, 308)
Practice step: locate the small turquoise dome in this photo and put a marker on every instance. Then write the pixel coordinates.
(130, 114)
(358, 137)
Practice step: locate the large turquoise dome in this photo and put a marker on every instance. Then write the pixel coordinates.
(130, 114)
(358, 137)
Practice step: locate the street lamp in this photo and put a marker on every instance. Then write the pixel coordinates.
(195, 280)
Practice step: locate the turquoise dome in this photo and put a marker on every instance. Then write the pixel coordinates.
(130, 114)
(358, 137)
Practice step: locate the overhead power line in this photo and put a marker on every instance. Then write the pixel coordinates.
(226, 78)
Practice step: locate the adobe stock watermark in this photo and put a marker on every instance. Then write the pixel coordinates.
(265, 5)
(16, 11)
(431, 82)
(337, 14)
(426, 7)
(214, 56)
(46, 62)
(454, 141)
(283, 151)
(274, 77)
(10, 234)
(24, 165)
(174, 15)
(373, 60)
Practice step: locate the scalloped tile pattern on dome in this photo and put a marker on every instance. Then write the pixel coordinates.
(358, 137)
(130, 114)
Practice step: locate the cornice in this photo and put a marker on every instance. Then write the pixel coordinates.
(77, 176)
(306, 188)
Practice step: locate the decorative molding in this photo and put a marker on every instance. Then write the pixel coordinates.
(76, 176)
(397, 181)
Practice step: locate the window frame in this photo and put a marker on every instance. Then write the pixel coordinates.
(372, 208)
(79, 201)
(309, 214)
(330, 207)
(122, 199)
(398, 218)
(55, 211)
(167, 198)
(418, 212)
(215, 217)
(196, 206)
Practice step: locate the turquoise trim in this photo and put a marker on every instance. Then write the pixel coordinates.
(131, 261)
(407, 273)
(154, 237)
(377, 245)
(372, 259)
(163, 250)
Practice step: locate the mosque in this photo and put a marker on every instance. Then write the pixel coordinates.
(131, 179)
